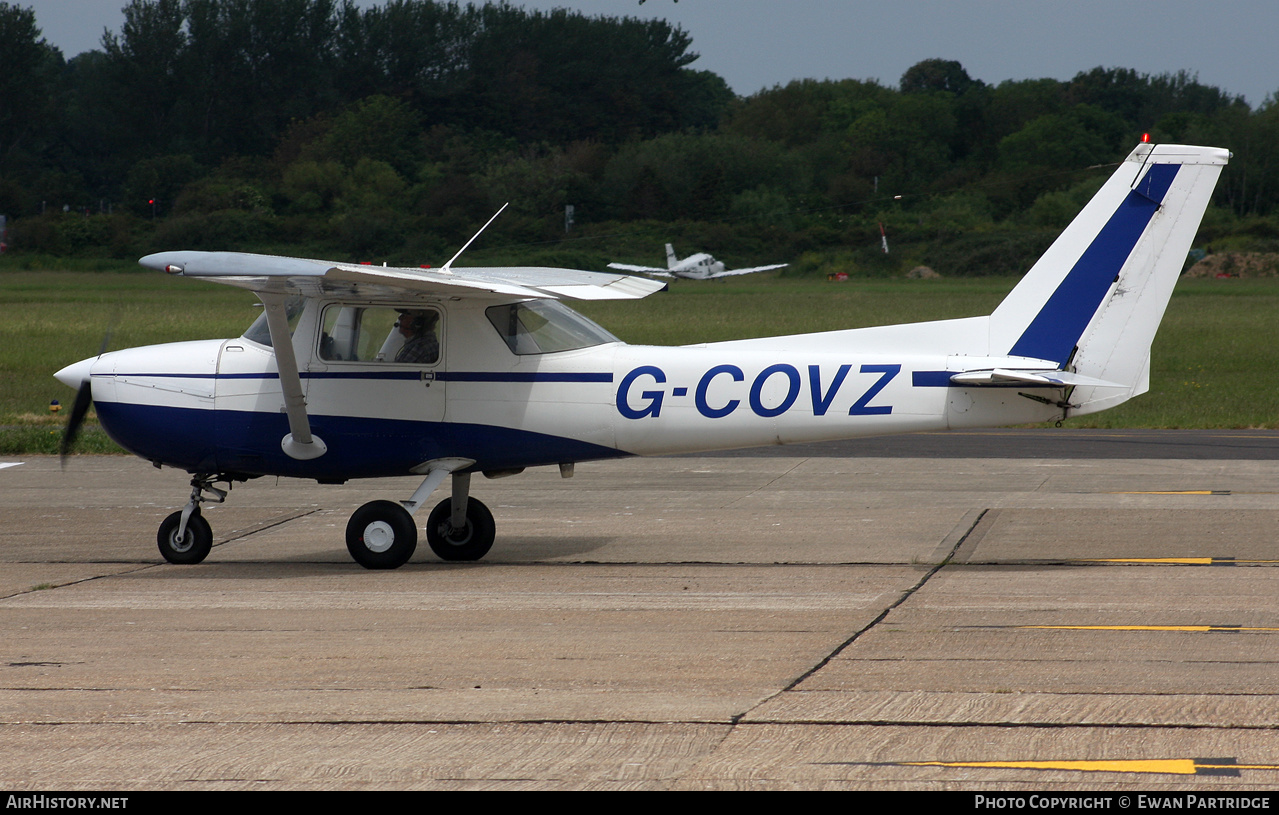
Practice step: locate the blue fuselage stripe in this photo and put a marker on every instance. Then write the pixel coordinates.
(485, 376)
(1056, 329)
(440, 376)
(931, 379)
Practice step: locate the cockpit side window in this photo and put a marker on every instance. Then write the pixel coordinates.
(408, 335)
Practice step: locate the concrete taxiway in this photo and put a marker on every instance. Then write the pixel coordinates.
(764, 621)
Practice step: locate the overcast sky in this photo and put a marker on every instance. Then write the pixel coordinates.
(756, 44)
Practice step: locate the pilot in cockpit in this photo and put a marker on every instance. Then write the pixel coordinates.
(420, 343)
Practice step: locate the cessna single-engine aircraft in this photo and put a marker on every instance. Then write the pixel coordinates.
(700, 266)
(359, 372)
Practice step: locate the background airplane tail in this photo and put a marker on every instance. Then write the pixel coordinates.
(671, 260)
(1092, 303)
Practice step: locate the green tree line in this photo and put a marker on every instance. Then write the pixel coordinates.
(317, 127)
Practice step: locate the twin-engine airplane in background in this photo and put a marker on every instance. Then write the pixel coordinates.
(700, 266)
(360, 372)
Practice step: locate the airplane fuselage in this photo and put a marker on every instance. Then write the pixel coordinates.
(697, 267)
(217, 405)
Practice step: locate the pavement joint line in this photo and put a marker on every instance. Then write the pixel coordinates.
(970, 530)
(262, 526)
(729, 726)
(235, 535)
(798, 463)
(1005, 725)
(54, 586)
(905, 595)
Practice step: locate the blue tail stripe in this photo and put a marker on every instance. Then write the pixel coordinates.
(1056, 329)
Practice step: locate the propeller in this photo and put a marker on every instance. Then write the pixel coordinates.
(83, 397)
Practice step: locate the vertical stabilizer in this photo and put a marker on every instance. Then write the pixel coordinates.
(671, 260)
(1092, 303)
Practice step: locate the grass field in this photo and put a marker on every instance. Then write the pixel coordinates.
(1216, 362)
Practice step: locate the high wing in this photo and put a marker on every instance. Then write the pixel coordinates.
(731, 272)
(274, 279)
(280, 275)
(627, 267)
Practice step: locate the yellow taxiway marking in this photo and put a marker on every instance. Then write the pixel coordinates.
(1173, 766)
(1178, 766)
(1194, 561)
(1192, 628)
(1181, 561)
(1170, 492)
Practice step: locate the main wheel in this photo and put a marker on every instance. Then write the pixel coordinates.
(471, 542)
(192, 547)
(381, 535)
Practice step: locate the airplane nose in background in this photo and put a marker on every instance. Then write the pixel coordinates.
(76, 372)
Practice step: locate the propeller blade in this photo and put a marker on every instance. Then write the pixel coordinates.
(83, 399)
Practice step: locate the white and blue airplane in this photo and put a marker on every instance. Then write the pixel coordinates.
(699, 266)
(361, 372)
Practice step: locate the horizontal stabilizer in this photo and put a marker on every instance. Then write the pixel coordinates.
(1004, 377)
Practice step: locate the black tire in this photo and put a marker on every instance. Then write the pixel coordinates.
(381, 535)
(194, 545)
(470, 543)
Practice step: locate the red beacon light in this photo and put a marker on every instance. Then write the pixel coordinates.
(1145, 138)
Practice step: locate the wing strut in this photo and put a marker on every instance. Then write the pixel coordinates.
(299, 443)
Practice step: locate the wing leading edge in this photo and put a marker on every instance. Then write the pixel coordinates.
(270, 273)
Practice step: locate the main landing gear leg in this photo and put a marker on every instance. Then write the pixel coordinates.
(460, 527)
(381, 534)
(185, 537)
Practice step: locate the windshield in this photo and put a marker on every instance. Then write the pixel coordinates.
(260, 333)
(545, 326)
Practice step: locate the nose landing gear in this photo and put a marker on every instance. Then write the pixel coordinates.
(185, 537)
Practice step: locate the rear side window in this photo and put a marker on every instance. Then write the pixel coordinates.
(545, 326)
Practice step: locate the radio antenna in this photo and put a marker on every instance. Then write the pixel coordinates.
(445, 268)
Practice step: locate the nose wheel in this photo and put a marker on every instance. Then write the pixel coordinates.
(188, 546)
(185, 537)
